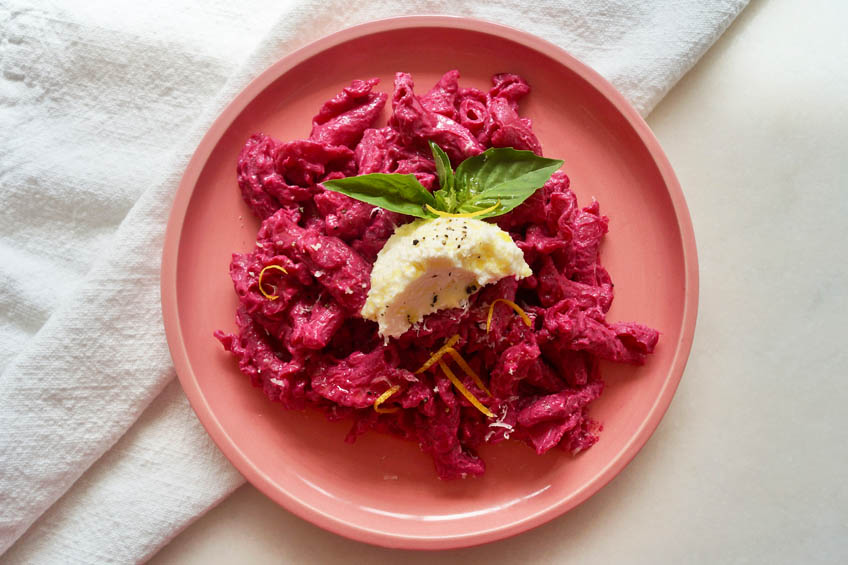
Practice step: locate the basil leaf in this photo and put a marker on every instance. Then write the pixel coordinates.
(504, 175)
(445, 196)
(392, 191)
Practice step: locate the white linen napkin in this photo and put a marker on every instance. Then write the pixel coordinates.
(101, 105)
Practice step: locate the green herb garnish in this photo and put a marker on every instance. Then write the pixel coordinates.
(496, 181)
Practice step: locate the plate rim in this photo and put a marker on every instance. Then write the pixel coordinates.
(188, 380)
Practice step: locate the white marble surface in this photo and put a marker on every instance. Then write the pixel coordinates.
(750, 464)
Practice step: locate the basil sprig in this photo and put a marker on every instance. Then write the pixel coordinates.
(500, 175)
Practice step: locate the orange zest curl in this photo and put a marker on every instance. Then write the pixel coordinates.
(438, 354)
(262, 273)
(464, 391)
(468, 370)
(466, 214)
(384, 397)
(513, 305)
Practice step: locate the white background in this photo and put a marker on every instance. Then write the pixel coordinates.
(750, 464)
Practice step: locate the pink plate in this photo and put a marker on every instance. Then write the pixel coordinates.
(383, 490)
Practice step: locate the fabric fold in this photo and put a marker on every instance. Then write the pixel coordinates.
(157, 478)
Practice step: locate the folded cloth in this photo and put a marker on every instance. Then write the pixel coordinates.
(102, 106)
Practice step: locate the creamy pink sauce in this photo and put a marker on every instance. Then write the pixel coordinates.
(310, 346)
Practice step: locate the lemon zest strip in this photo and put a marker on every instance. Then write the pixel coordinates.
(384, 397)
(468, 370)
(438, 354)
(262, 273)
(464, 391)
(514, 306)
(466, 214)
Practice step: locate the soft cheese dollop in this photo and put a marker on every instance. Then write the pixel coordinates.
(430, 265)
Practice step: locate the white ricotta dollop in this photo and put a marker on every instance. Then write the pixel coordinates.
(430, 265)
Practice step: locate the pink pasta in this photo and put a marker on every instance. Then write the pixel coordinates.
(307, 346)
